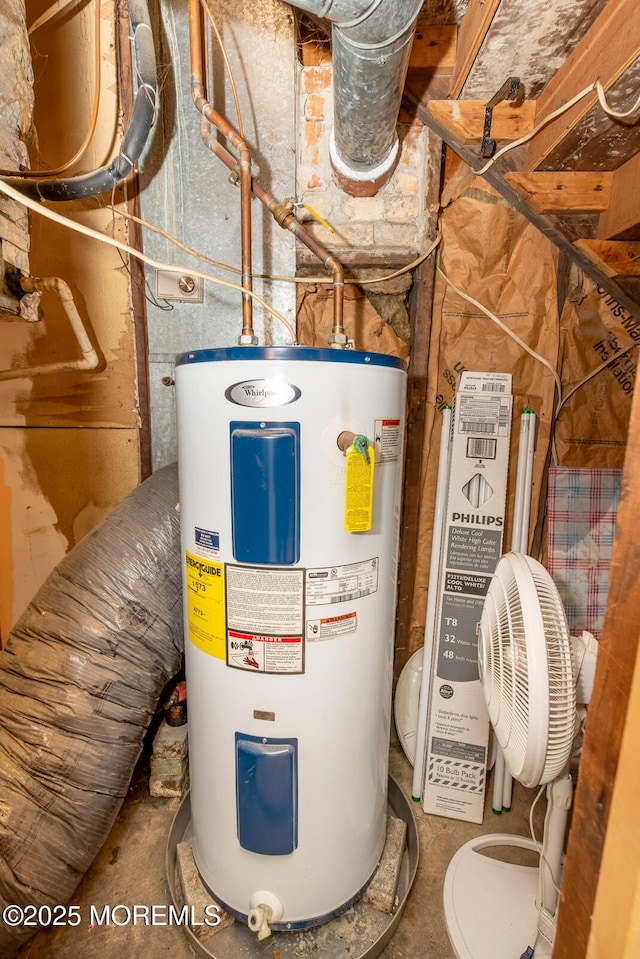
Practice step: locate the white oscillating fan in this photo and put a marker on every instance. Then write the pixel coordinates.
(533, 674)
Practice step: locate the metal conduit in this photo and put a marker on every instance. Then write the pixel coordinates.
(371, 48)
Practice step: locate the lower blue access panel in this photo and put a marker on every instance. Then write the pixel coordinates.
(267, 794)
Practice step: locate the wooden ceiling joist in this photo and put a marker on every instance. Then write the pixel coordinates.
(434, 49)
(527, 39)
(613, 257)
(608, 50)
(465, 119)
(564, 193)
(621, 221)
(550, 226)
(473, 30)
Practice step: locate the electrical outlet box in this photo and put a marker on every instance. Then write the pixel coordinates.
(179, 286)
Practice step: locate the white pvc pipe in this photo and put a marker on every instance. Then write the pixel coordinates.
(432, 604)
(89, 361)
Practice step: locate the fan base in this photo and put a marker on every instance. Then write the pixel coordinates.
(489, 905)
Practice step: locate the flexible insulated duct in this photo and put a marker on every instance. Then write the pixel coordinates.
(80, 679)
(371, 48)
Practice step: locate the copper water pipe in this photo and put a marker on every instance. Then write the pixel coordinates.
(283, 213)
(198, 60)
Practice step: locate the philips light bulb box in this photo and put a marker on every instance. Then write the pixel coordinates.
(472, 543)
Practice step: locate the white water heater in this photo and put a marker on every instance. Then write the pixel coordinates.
(289, 620)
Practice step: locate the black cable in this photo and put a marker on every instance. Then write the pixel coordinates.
(142, 119)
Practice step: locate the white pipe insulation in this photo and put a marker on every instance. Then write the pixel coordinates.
(371, 47)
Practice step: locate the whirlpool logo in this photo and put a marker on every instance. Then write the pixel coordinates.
(262, 393)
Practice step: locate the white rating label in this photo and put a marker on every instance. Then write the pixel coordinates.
(341, 584)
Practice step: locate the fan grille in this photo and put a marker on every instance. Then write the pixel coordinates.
(524, 655)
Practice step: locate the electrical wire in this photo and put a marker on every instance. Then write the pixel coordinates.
(136, 254)
(353, 281)
(616, 114)
(82, 149)
(589, 376)
(529, 952)
(234, 91)
(544, 858)
(537, 844)
(597, 86)
(177, 242)
(514, 336)
(531, 942)
(143, 287)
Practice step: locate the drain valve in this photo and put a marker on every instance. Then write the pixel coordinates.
(259, 919)
(265, 908)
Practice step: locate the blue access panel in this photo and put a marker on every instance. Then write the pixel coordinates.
(265, 492)
(267, 794)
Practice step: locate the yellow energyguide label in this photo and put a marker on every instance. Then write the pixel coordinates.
(205, 605)
(358, 491)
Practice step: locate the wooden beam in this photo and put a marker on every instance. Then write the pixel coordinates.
(606, 51)
(530, 41)
(434, 49)
(473, 29)
(496, 177)
(421, 306)
(614, 257)
(136, 269)
(607, 713)
(465, 119)
(420, 310)
(563, 193)
(615, 929)
(622, 219)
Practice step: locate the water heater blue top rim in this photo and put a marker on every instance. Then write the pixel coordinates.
(286, 353)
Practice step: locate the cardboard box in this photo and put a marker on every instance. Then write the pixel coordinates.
(458, 723)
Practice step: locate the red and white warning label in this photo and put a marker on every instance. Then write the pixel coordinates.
(332, 626)
(387, 439)
(265, 654)
(265, 619)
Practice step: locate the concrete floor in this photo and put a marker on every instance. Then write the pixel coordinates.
(130, 869)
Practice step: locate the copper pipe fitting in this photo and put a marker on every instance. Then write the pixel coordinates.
(283, 214)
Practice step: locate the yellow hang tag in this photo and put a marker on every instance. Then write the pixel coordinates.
(358, 490)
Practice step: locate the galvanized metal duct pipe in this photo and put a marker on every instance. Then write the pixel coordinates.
(371, 48)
